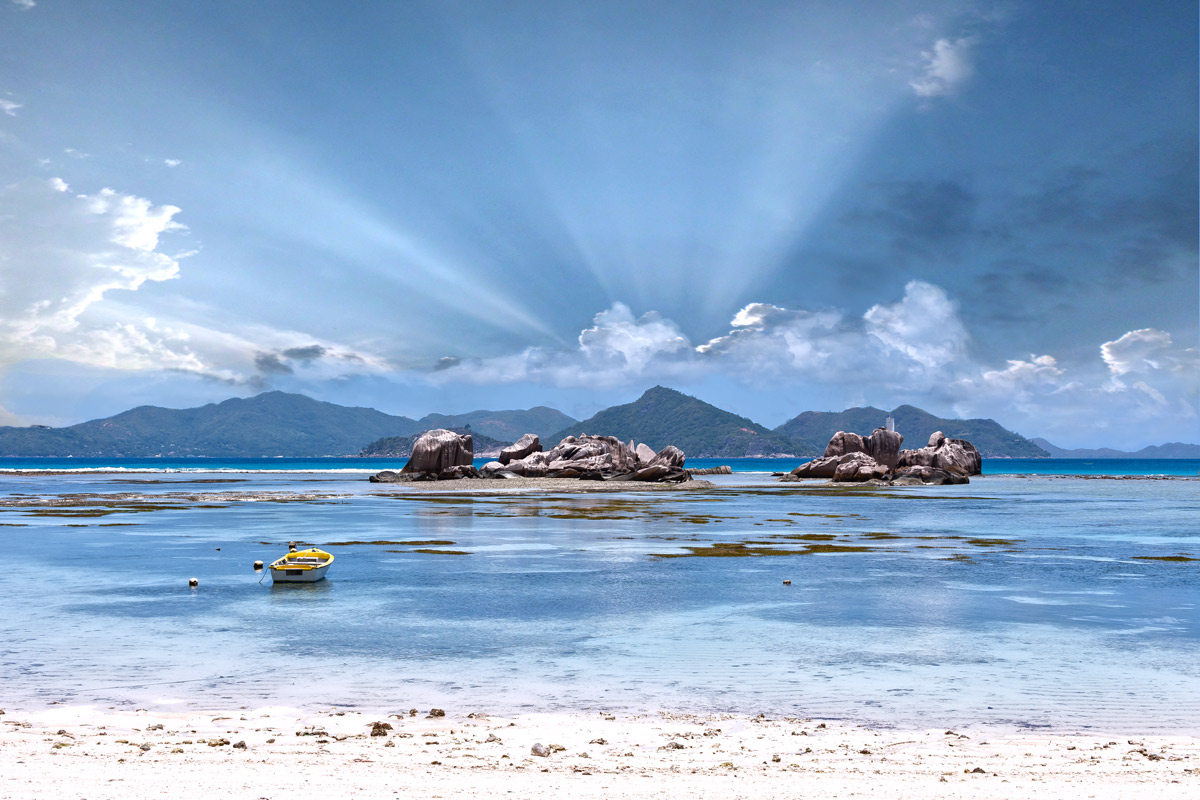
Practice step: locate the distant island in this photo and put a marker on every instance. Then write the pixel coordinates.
(292, 425)
(1169, 450)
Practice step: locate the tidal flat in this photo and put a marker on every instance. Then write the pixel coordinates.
(1025, 604)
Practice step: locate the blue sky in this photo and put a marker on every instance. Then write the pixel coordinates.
(983, 209)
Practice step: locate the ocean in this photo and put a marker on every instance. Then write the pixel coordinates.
(1045, 594)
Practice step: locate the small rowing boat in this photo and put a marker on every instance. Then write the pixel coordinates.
(301, 566)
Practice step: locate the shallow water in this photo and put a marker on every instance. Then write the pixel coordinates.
(1016, 601)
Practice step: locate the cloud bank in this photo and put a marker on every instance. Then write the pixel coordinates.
(71, 265)
(916, 349)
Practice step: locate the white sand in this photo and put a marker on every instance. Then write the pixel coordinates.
(80, 752)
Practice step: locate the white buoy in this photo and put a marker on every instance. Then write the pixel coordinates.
(258, 565)
(193, 582)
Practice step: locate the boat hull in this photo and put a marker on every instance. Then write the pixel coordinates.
(285, 575)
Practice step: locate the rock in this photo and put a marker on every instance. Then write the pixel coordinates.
(652, 473)
(855, 467)
(436, 712)
(911, 476)
(724, 469)
(644, 454)
(539, 750)
(882, 445)
(843, 442)
(817, 468)
(439, 452)
(669, 456)
(380, 728)
(951, 455)
(239, 746)
(527, 444)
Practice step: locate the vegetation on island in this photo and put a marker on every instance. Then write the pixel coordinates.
(662, 417)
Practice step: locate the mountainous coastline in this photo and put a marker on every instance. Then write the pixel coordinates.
(664, 416)
(989, 437)
(292, 425)
(504, 426)
(1169, 450)
(270, 424)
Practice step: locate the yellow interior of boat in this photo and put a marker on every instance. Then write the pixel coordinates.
(303, 559)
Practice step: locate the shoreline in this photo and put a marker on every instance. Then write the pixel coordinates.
(270, 751)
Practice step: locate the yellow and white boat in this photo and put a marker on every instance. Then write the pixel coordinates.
(301, 566)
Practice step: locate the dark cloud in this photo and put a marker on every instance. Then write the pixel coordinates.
(309, 353)
(920, 212)
(270, 364)
(446, 362)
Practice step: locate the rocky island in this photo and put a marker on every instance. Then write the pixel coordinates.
(445, 455)
(851, 458)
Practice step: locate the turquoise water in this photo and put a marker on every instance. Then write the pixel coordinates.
(992, 466)
(1018, 601)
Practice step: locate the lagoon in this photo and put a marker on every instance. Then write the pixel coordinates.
(1064, 603)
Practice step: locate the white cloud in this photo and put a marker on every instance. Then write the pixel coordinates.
(1137, 351)
(917, 342)
(24, 5)
(923, 327)
(9, 107)
(172, 162)
(947, 66)
(70, 267)
(915, 350)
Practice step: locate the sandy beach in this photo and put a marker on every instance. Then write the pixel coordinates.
(86, 752)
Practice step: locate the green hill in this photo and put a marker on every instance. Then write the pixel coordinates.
(271, 424)
(992, 440)
(401, 446)
(505, 426)
(664, 416)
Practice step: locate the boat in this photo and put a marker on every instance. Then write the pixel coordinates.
(301, 566)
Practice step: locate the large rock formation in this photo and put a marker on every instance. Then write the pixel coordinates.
(527, 444)
(882, 445)
(847, 467)
(854, 458)
(437, 455)
(594, 458)
(950, 455)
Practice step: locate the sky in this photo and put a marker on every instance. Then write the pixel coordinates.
(984, 209)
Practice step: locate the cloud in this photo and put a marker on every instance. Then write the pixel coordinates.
(9, 107)
(916, 350)
(172, 162)
(24, 5)
(271, 364)
(1137, 351)
(917, 341)
(947, 67)
(71, 267)
(617, 349)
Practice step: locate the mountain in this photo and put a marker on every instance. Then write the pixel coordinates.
(401, 446)
(1169, 450)
(271, 424)
(505, 426)
(992, 440)
(664, 416)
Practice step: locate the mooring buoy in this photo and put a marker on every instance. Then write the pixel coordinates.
(193, 582)
(787, 583)
(258, 565)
